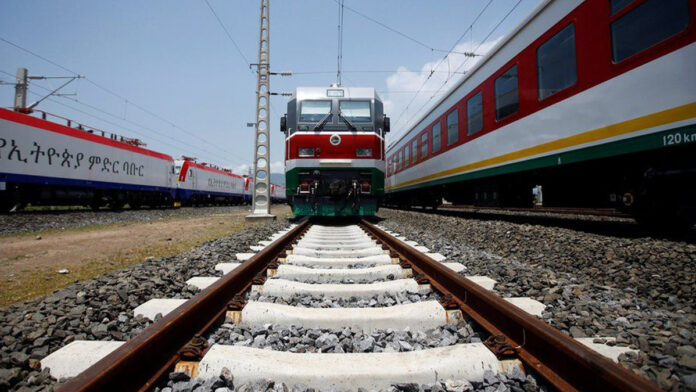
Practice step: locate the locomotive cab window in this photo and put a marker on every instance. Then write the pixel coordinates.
(313, 111)
(507, 100)
(646, 25)
(355, 111)
(556, 65)
(424, 145)
(474, 112)
(453, 127)
(437, 138)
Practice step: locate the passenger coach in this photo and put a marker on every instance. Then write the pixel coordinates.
(595, 101)
(334, 151)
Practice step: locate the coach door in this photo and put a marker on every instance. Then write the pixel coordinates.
(194, 178)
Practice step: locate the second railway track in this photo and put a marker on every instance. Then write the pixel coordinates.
(340, 307)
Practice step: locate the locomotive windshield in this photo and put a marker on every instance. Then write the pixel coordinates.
(355, 111)
(313, 111)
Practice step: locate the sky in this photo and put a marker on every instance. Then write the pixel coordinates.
(166, 72)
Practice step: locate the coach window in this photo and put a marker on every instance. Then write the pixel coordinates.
(407, 158)
(618, 5)
(437, 137)
(556, 64)
(474, 112)
(453, 127)
(507, 101)
(424, 145)
(414, 151)
(313, 111)
(649, 23)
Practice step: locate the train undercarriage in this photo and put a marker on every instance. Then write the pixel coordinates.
(657, 187)
(335, 192)
(16, 196)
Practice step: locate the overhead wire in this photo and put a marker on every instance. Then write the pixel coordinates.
(103, 119)
(239, 50)
(408, 37)
(365, 71)
(415, 113)
(339, 57)
(126, 100)
(400, 116)
(120, 126)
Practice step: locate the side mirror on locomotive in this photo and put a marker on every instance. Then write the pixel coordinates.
(284, 124)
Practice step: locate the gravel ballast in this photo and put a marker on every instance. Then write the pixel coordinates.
(640, 290)
(36, 221)
(102, 308)
(316, 301)
(514, 382)
(348, 340)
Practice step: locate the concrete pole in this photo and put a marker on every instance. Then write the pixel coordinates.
(20, 102)
(261, 196)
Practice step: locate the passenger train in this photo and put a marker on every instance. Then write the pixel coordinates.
(43, 162)
(334, 151)
(594, 101)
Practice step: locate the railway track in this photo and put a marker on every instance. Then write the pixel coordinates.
(346, 268)
(601, 212)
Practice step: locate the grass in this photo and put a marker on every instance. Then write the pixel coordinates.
(31, 284)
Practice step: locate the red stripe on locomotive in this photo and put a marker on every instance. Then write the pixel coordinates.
(346, 149)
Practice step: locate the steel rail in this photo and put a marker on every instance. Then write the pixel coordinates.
(138, 363)
(561, 360)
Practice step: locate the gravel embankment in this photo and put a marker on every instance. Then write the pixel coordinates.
(640, 290)
(102, 308)
(34, 221)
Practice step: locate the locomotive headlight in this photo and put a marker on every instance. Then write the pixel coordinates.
(363, 152)
(306, 152)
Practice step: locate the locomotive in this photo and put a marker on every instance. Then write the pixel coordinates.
(43, 162)
(593, 102)
(334, 151)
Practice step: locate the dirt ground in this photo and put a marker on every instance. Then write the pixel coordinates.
(29, 264)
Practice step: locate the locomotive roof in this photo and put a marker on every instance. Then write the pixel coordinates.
(303, 93)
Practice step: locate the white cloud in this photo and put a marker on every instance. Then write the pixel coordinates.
(278, 167)
(396, 103)
(244, 168)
